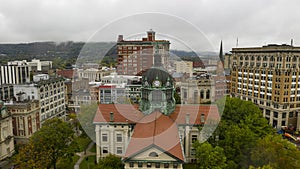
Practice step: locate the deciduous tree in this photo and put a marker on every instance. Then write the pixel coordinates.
(209, 157)
(111, 162)
(274, 151)
(46, 146)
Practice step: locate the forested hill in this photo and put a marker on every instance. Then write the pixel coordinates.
(64, 52)
(68, 52)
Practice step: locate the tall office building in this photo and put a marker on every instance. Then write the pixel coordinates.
(14, 74)
(269, 76)
(135, 56)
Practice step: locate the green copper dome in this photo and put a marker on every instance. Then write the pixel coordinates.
(157, 77)
(157, 92)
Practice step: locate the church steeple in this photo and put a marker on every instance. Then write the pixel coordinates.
(221, 57)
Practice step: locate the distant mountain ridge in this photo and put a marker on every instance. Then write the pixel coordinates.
(71, 50)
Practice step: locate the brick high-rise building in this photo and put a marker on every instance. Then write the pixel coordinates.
(135, 56)
(269, 76)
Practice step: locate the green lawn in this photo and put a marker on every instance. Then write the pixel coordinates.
(189, 166)
(88, 163)
(82, 142)
(66, 163)
(93, 149)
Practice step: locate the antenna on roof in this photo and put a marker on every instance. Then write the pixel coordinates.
(292, 41)
(237, 41)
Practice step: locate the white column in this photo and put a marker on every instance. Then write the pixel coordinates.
(98, 141)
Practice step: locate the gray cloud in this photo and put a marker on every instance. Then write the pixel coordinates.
(254, 22)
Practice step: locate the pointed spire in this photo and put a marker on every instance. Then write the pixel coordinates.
(221, 53)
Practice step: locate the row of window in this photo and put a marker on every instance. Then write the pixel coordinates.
(52, 86)
(119, 137)
(267, 58)
(119, 150)
(157, 165)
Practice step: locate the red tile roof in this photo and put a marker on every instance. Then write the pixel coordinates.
(67, 73)
(158, 130)
(131, 114)
(195, 112)
(123, 113)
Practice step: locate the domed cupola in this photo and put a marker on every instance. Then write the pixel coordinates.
(157, 91)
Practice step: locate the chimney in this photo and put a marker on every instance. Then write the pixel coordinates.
(187, 119)
(111, 117)
(120, 38)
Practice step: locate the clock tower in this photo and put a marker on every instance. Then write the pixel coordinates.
(157, 91)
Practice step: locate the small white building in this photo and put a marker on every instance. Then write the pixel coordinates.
(34, 65)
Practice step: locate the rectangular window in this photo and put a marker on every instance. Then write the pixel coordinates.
(104, 137)
(276, 114)
(194, 138)
(104, 150)
(131, 164)
(283, 115)
(193, 152)
(140, 164)
(175, 165)
(202, 120)
(119, 137)
(166, 165)
(119, 150)
(157, 165)
(149, 165)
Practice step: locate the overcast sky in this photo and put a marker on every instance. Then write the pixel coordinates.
(253, 22)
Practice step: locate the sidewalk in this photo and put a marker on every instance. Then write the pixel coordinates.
(5, 164)
(84, 154)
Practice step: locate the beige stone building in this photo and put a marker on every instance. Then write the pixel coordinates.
(269, 77)
(184, 67)
(25, 119)
(196, 91)
(6, 133)
(147, 141)
(94, 75)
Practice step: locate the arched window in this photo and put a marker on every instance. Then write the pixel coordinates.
(265, 58)
(258, 58)
(208, 94)
(153, 154)
(195, 96)
(201, 94)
